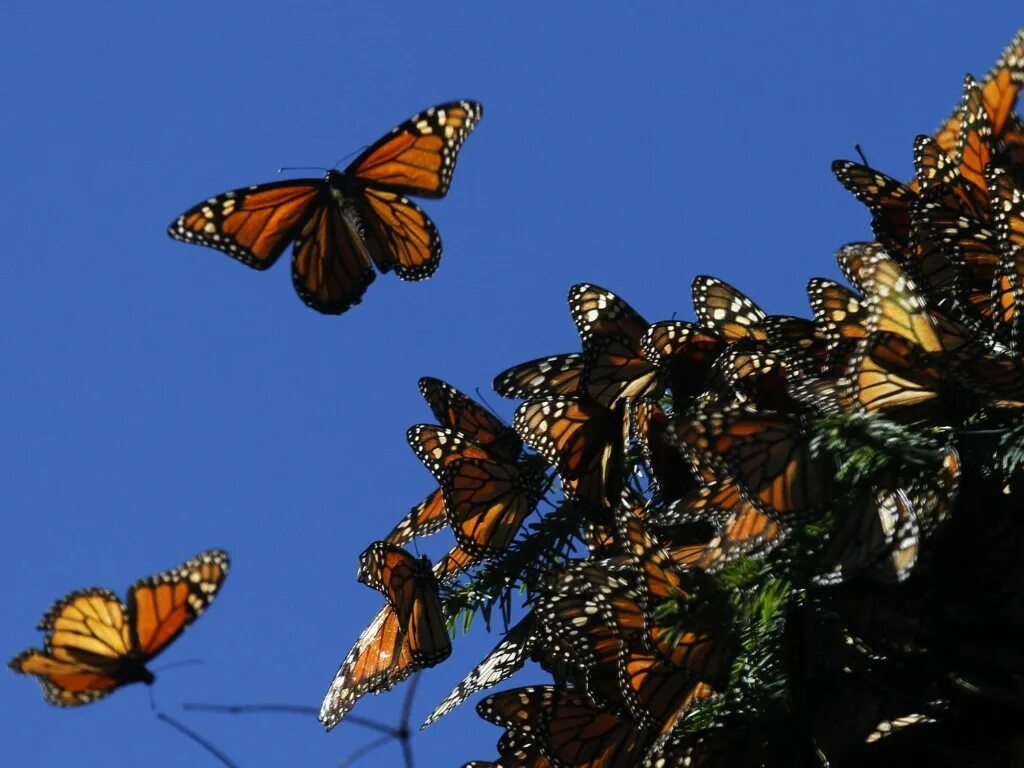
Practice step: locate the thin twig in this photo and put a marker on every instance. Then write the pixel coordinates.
(182, 728)
(364, 750)
(292, 709)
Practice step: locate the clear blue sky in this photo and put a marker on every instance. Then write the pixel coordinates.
(160, 398)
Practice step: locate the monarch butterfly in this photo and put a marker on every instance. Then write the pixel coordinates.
(507, 657)
(615, 367)
(389, 650)
(933, 494)
(889, 372)
(567, 727)
(655, 692)
(888, 200)
(895, 305)
(582, 440)
(768, 454)
(95, 643)
(473, 433)
(879, 536)
(803, 345)
(670, 475)
(411, 589)
(839, 311)
(515, 750)
(1008, 216)
(975, 144)
(347, 219)
(741, 526)
(998, 93)
(723, 309)
(528, 639)
(592, 610)
(686, 353)
(705, 655)
(758, 379)
(487, 501)
(460, 412)
(554, 376)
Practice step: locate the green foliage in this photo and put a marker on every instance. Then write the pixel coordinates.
(1010, 454)
(864, 445)
(521, 568)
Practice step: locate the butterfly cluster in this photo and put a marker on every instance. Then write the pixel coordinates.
(753, 549)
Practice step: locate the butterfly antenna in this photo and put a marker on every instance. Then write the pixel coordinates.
(175, 664)
(198, 739)
(284, 168)
(489, 406)
(863, 157)
(350, 154)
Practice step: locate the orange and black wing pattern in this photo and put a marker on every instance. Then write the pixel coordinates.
(411, 589)
(253, 224)
(88, 652)
(418, 157)
(888, 200)
(582, 440)
(768, 454)
(330, 267)
(95, 643)
(999, 91)
(345, 223)
(399, 641)
(611, 331)
(552, 376)
(162, 606)
(460, 412)
(723, 309)
(567, 727)
(486, 502)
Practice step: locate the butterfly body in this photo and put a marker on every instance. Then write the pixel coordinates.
(348, 222)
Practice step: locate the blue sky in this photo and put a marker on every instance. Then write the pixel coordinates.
(161, 398)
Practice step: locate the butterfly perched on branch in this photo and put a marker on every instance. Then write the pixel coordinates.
(349, 221)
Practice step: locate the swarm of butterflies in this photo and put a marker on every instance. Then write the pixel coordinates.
(711, 588)
(686, 460)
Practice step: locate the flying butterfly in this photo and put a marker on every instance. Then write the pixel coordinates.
(349, 221)
(95, 643)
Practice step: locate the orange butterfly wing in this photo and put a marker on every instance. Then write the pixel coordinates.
(418, 157)
(162, 606)
(330, 269)
(253, 224)
(87, 652)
